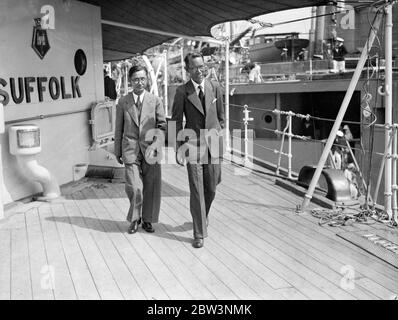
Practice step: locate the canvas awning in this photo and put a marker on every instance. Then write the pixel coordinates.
(187, 17)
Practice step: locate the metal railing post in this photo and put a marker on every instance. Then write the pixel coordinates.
(388, 108)
(246, 120)
(281, 148)
(394, 172)
(383, 161)
(289, 167)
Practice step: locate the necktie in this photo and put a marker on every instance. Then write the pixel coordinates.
(202, 99)
(139, 107)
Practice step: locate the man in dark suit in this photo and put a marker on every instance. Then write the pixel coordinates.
(109, 86)
(139, 136)
(201, 141)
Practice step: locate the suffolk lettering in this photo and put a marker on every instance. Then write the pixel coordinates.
(21, 90)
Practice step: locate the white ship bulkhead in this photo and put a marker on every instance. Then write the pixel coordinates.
(49, 92)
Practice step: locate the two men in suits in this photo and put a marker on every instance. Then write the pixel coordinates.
(139, 136)
(201, 141)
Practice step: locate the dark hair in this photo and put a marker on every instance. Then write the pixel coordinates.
(137, 68)
(190, 56)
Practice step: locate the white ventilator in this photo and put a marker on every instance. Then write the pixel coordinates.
(24, 141)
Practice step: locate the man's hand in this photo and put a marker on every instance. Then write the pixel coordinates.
(150, 152)
(180, 158)
(119, 159)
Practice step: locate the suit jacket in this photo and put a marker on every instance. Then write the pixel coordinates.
(134, 134)
(110, 88)
(187, 102)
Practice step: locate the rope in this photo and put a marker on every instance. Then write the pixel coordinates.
(266, 148)
(344, 215)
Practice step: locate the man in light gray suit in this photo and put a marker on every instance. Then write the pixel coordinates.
(201, 142)
(139, 137)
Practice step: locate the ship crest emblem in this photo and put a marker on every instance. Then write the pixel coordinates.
(40, 43)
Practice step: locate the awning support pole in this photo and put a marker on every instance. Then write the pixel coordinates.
(227, 139)
(165, 83)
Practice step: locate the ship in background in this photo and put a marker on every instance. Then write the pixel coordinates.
(308, 86)
(274, 47)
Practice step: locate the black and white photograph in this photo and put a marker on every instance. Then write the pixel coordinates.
(198, 158)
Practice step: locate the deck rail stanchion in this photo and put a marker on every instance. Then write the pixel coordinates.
(340, 115)
(394, 186)
(278, 166)
(388, 107)
(290, 135)
(289, 157)
(386, 156)
(246, 120)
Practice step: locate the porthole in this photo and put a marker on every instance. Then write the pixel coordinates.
(80, 62)
(268, 118)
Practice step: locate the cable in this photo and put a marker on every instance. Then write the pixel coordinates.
(343, 215)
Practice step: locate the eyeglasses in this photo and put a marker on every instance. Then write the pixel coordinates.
(137, 80)
(195, 69)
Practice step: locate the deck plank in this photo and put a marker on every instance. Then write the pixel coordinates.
(324, 267)
(285, 237)
(279, 192)
(207, 256)
(5, 264)
(342, 249)
(251, 243)
(257, 248)
(38, 258)
(377, 289)
(104, 278)
(165, 276)
(58, 268)
(117, 231)
(21, 286)
(121, 273)
(77, 258)
(271, 279)
(194, 266)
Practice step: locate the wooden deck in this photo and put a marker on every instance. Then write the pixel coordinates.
(258, 248)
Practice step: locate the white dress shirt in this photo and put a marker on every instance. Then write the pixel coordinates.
(196, 85)
(141, 97)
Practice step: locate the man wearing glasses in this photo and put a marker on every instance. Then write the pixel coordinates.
(139, 136)
(201, 142)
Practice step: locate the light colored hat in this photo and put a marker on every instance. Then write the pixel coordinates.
(340, 134)
(340, 39)
(346, 127)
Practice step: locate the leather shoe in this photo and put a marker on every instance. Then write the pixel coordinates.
(198, 243)
(147, 226)
(134, 226)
